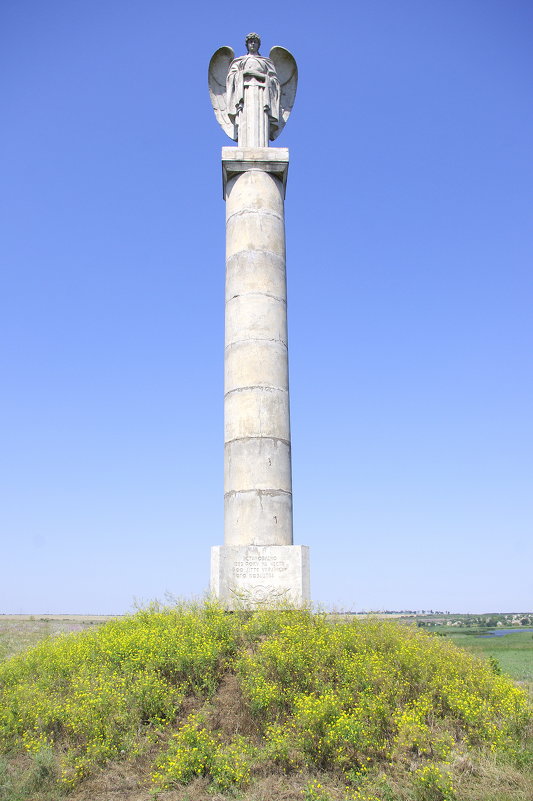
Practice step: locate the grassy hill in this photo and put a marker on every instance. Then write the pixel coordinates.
(189, 702)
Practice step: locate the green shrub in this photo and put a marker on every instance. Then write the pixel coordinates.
(196, 751)
(97, 692)
(353, 693)
(432, 783)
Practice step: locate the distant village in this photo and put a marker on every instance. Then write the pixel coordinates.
(429, 617)
(485, 621)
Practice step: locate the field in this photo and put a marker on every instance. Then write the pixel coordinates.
(18, 632)
(512, 652)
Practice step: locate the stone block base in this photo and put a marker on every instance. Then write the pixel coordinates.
(260, 576)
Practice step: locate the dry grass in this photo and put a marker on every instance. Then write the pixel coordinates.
(50, 618)
(117, 783)
(493, 780)
(19, 632)
(229, 714)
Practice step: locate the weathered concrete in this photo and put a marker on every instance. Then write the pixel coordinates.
(257, 474)
(258, 565)
(254, 576)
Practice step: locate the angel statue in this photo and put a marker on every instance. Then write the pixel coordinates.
(252, 96)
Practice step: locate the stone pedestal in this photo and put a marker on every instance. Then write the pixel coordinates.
(257, 446)
(260, 576)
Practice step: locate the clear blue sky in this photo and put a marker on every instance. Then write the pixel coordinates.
(410, 254)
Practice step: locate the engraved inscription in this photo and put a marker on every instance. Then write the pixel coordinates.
(260, 567)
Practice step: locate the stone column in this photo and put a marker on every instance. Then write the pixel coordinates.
(257, 459)
(258, 564)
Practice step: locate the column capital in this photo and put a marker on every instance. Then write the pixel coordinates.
(236, 160)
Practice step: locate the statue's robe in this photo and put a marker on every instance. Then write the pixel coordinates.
(254, 104)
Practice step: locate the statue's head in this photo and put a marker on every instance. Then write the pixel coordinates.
(253, 42)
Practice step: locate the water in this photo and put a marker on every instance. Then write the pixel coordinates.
(501, 632)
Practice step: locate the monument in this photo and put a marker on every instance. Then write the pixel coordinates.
(258, 565)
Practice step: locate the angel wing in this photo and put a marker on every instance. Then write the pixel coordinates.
(216, 77)
(287, 73)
